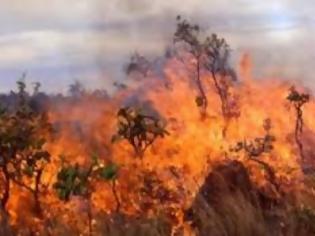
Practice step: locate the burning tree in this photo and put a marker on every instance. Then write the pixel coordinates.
(298, 100)
(138, 129)
(23, 134)
(210, 54)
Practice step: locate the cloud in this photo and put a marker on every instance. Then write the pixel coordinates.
(59, 39)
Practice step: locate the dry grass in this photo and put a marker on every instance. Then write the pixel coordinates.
(227, 211)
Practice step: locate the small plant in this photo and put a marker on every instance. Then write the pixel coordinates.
(138, 129)
(71, 181)
(74, 180)
(255, 148)
(156, 196)
(298, 100)
(110, 173)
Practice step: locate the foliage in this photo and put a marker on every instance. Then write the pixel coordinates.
(71, 181)
(75, 180)
(138, 64)
(189, 34)
(109, 172)
(138, 129)
(23, 135)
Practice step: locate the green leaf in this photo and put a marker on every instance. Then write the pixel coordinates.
(109, 172)
(29, 171)
(63, 194)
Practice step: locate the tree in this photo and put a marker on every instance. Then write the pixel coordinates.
(23, 134)
(212, 55)
(217, 62)
(36, 87)
(298, 100)
(76, 89)
(189, 34)
(138, 129)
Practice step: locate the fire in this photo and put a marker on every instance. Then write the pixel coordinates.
(182, 159)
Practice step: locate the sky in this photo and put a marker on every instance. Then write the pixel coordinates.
(58, 41)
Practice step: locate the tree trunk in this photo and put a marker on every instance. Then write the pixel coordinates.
(6, 191)
(204, 104)
(116, 196)
(37, 204)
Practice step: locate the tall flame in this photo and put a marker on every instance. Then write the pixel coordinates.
(193, 146)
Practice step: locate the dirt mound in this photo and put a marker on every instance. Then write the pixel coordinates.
(228, 203)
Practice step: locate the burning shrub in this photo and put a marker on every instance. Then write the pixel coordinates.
(255, 148)
(73, 180)
(138, 129)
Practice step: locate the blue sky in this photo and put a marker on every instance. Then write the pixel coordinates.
(58, 41)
